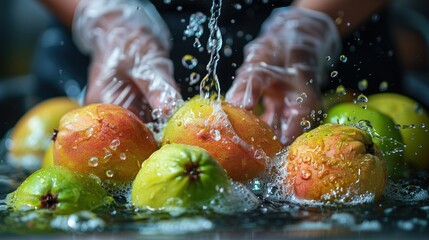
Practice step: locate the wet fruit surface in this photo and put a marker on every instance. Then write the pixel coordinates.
(178, 175)
(335, 163)
(105, 140)
(237, 139)
(381, 128)
(59, 190)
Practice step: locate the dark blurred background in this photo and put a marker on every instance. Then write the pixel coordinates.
(21, 23)
(24, 22)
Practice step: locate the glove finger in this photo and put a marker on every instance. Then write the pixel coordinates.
(255, 74)
(152, 72)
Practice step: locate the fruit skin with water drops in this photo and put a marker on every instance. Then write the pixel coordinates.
(59, 190)
(32, 133)
(236, 138)
(381, 128)
(178, 175)
(336, 164)
(413, 120)
(103, 139)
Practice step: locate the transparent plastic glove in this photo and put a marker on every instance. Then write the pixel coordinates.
(283, 66)
(128, 42)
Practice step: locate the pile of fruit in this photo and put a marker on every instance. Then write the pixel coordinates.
(78, 154)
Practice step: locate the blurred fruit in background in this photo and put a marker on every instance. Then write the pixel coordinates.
(31, 136)
(412, 120)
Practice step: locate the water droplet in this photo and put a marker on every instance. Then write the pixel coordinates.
(109, 173)
(215, 134)
(194, 78)
(305, 124)
(189, 61)
(179, 8)
(227, 51)
(93, 162)
(123, 156)
(305, 174)
(114, 144)
(363, 84)
(299, 99)
(334, 74)
(362, 98)
(237, 6)
(304, 95)
(341, 90)
(338, 20)
(383, 86)
(197, 43)
(343, 58)
(328, 58)
(107, 154)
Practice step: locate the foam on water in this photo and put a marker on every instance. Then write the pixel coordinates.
(177, 226)
(405, 192)
(84, 221)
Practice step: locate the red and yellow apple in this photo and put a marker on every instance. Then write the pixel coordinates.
(241, 142)
(335, 163)
(105, 140)
(381, 128)
(32, 133)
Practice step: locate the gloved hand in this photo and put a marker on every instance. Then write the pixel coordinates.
(128, 43)
(284, 66)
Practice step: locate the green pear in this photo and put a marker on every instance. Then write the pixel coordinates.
(381, 128)
(178, 175)
(59, 190)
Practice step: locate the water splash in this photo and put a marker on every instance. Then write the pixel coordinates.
(209, 87)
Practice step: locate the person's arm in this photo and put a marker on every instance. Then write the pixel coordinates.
(62, 9)
(348, 14)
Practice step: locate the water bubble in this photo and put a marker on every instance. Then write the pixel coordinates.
(114, 144)
(299, 99)
(363, 84)
(109, 173)
(343, 58)
(189, 61)
(93, 162)
(157, 113)
(194, 78)
(305, 124)
(123, 156)
(334, 74)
